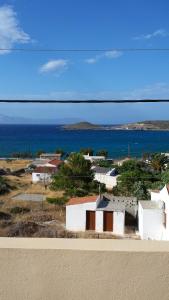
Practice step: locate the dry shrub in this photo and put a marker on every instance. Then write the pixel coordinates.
(19, 210)
(40, 217)
(4, 216)
(46, 232)
(5, 223)
(23, 229)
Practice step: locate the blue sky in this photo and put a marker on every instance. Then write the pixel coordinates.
(89, 24)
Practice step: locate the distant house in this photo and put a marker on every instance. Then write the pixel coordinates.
(54, 163)
(106, 175)
(38, 162)
(99, 213)
(120, 162)
(43, 174)
(50, 156)
(46, 162)
(154, 216)
(93, 158)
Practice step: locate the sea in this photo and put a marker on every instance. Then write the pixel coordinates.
(118, 143)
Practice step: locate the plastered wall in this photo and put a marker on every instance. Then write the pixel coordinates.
(46, 269)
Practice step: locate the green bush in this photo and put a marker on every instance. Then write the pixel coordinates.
(57, 201)
(19, 210)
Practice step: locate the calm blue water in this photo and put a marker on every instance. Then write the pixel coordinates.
(32, 138)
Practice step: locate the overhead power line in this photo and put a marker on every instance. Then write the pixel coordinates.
(85, 50)
(97, 101)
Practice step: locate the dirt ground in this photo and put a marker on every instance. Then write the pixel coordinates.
(14, 164)
(40, 219)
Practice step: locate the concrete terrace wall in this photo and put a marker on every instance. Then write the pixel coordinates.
(62, 269)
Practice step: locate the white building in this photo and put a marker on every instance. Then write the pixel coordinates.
(50, 156)
(95, 213)
(43, 174)
(92, 158)
(154, 216)
(120, 162)
(45, 171)
(106, 175)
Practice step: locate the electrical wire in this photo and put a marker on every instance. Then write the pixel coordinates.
(85, 50)
(92, 101)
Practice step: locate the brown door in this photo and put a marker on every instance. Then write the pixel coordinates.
(108, 221)
(90, 220)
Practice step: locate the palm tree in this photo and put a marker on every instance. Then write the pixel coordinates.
(159, 162)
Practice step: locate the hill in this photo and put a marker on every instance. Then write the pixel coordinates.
(146, 125)
(82, 126)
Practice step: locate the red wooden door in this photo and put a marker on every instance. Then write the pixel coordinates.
(90, 220)
(108, 221)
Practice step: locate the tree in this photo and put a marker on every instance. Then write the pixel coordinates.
(146, 156)
(159, 162)
(126, 182)
(102, 152)
(39, 152)
(60, 151)
(74, 176)
(106, 164)
(135, 181)
(129, 165)
(140, 190)
(165, 177)
(86, 151)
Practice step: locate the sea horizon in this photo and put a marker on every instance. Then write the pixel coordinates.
(48, 137)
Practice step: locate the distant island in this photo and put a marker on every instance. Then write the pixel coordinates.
(145, 125)
(83, 126)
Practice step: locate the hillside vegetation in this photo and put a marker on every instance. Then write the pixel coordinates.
(82, 126)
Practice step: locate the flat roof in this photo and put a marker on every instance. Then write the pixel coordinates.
(109, 205)
(101, 170)
(150, 204)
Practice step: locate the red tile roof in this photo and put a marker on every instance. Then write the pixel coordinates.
(55, 162)
(82, 200)
(45, 170)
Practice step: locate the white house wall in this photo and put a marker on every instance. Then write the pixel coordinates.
(118, 222)
(76, 216)
(155, 196)
(163, 196)
(140, 221)
(99, 221)
(36, 177)
(109, 181)
(151, 224)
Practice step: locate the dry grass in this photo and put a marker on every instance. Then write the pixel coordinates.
(50, 219)
(22, 184)
(14, 164)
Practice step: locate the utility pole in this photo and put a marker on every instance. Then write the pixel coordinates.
(99, 190)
